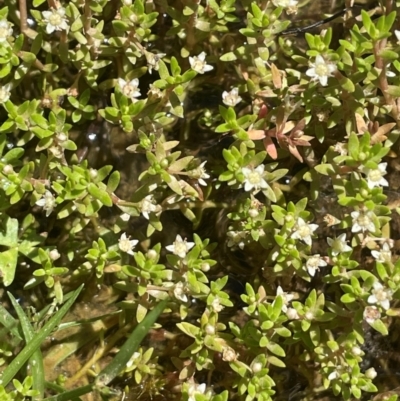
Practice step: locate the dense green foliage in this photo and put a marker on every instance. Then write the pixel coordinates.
(192, 157)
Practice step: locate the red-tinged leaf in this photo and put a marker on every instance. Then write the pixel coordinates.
(300, 126)
(294, 151)
(270, 148)
(289, 126)
(300, 142)
(255, 134)
(263, 111)
(380, 135)
(361, 125)
(276, 76)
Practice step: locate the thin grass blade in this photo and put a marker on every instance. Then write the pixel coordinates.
(14, 367)
(120, 360)
(36, 360)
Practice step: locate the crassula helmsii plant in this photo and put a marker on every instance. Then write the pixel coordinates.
(194, 153)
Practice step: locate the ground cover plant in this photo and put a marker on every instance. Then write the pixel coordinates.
(199, 200)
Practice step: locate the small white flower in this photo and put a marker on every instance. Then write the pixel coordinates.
(285, 3)
(129, 89)
(154, 91)
(198, 63)
(289, 5)
(54, 254)
(314, 263)
(334, 375)
(375, 176)
(152, 254)
(210, 329)
(199, 174)
(286, 298)
(180, 247)
(371, 373)
(205, 267)
(57, 151)
(5, 93)
(384, 255)
(371, 314)
(179, 292)
(236, 239)
(229, 354)
(216, 305)
(331, 220)
(380, 295)
(253, 178)
(253, 213)
(55, 20)
(125, 217)
(126, 244)
(363, 221)
(357, 351)
(48, 202)
(5, 30)
(292, 314)
(133, 361)
(397, 33)
(153, 60)
(339, 244)
(256, 367)
(231, 98)
(8, 169)
(341, 148)
(195, 389)
(390, 74)
(304, 231)
(149, 205)
(61, 138)
(321, 70)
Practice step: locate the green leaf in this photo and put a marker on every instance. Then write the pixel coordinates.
(99, 194)
(228, 156)
(8, 265)
(354, 146)
(269, 193)
(276, 349)
(8, 321)
(180, 164)
(379, 326)
(393, 90)
(283, 332)
(273, 360)
(310, 40)
(325, 169)
(163, 70)
(348, 298)
(276, 308)
(113, 181)
(9, 232)
(13, 155)
(39, 120)
(228, 57)
(175, 69)
(27, 57)
(347, 84)
(388, 55)
(173, 184)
